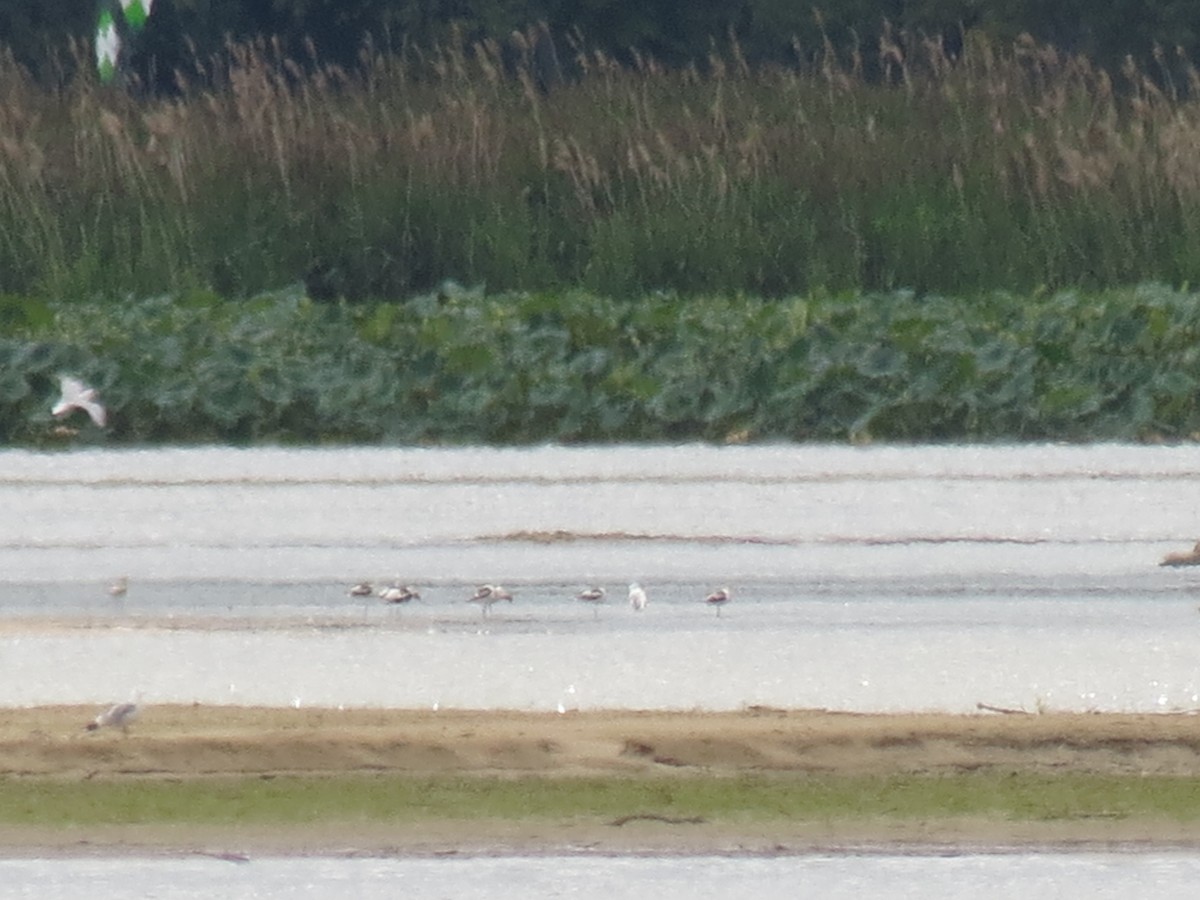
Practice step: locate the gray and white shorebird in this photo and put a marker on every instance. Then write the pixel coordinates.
(637, 597)
(594, 596)
(397, 593)
(362, 589)
(719, 598)
(77, 395)
(119, 587)
(487, 594)
(122, 715)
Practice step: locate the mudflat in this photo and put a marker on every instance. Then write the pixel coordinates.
(690, 779)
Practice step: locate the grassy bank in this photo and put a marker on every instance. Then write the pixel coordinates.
(459, 366)
(462, 779)
(1013, 167)
(745, 800)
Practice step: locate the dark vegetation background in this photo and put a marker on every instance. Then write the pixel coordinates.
(328, 220)
(674, 32)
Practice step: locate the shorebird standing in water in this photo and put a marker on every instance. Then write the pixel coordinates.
(397, 594)
(487, 594)
(362, 589)
(122, 715)
(119, 588)
(719, 598)
(594, 596)
(77, 395)
(637, 597)
(1189, 558)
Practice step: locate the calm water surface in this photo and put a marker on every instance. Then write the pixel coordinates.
(1163, 876)
(864, 578)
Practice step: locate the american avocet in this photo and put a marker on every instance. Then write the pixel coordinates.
(637, 597)
(719, 598)
(487, 594)
(1189, 558)
(122, 715)
(77, 395)
(593, 595)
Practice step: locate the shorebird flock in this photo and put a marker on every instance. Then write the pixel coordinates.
(486, 595)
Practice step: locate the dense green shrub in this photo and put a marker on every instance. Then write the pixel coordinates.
(459, 366)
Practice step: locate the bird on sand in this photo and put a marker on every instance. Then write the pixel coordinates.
(719, 598)
(77, 395)
(594, 596)
(637, 597)
(1188, 558)
(122, 715)
(487, 594)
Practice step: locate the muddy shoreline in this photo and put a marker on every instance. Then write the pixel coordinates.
(185, 743)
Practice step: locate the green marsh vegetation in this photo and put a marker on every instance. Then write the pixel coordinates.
(723, 254)
(281, 800)
(459, 366)
(1011, 168)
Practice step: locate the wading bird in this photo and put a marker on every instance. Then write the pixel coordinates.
(487, 594)
(595, 596)
(119, 588)
(719, 598)
(398, 593)
(637, 597)
(77, 395)
(362, 589)
(1188, 558)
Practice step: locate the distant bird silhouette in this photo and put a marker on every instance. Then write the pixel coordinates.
(122, 715)
(77, 395)
(487, 594)
(594, 596)
(719, 598)
(637, 597)
(119, 588)
(362, 589)
(1188, 558)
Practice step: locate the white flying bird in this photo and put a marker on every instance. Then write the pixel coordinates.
(77, 395)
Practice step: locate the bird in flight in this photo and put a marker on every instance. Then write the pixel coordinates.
(77, 395)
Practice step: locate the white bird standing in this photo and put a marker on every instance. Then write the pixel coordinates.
(719, 598)
(637, 597)
(77, 395)
(594, 596)
(487, 594)
(122, 715)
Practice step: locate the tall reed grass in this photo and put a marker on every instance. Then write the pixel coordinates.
(1004, 168)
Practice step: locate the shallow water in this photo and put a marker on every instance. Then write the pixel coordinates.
(1163, 876)
(863, 578)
